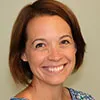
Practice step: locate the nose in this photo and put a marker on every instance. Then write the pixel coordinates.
(54, 54)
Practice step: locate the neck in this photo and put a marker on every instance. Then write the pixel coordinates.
(43, 91)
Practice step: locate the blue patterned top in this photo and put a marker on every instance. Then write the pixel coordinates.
(76, 95)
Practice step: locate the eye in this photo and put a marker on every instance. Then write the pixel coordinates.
(40, 45)
(64, 42)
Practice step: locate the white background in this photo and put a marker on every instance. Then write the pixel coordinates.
(87, 79)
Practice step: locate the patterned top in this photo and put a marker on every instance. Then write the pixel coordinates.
(76, 95)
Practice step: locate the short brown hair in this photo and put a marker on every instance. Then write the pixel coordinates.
(20, 70)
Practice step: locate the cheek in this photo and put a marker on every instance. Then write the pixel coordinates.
(71, 57)
(36, 58)
(71, 53)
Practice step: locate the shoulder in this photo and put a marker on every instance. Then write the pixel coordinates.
(79, 95)
(18, 98)
(23, 95)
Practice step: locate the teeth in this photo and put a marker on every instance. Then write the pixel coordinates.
(55, 69)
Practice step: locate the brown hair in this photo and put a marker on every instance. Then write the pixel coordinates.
(20, 70)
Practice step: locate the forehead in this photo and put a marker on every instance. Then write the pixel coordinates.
(47, 24)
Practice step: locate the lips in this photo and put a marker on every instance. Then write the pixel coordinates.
(54, 68)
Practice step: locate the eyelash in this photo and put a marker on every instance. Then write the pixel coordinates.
(43, 45)
(65, 42)
(39, 45)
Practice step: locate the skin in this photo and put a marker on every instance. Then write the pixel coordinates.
(50, 51)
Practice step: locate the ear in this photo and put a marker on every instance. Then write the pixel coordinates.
(23, 57)
(75, 49)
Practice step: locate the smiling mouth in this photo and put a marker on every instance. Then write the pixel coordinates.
(55, 68)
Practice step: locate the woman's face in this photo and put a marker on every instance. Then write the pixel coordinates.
(50, 49)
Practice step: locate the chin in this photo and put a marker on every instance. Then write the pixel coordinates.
(56, 82)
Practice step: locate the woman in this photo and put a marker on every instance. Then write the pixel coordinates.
(46, 47)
